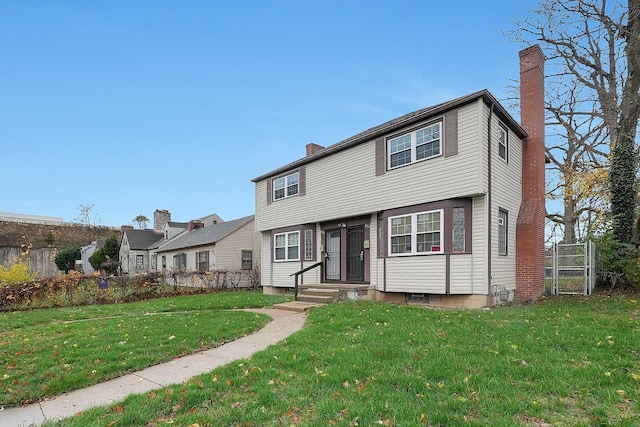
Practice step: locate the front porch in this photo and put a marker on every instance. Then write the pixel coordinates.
(312, 295)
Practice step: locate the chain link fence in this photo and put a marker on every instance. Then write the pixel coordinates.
(570, 268)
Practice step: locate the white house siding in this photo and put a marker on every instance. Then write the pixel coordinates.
(266, 272)
(345, 184)
(479, 246)
(472, 127)
(461, 274)
(281, 271)
(376, 264)
(505, 195)
(281, 274)
(416, 274)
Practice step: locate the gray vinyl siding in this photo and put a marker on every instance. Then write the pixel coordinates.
(345, 184)
(506, 196)
(229, 249)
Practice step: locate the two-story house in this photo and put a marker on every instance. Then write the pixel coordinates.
(444, 205)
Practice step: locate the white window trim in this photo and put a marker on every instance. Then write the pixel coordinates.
(286, 246)
(502, 129)
(414, 234)
(414, 145)
(286, 185)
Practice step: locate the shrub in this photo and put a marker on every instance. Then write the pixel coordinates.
(618, 263)
(19, 272)
(66, 260)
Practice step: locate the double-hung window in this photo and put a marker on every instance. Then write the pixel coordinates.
(287, 246)
(139, 262)
(420, 144)
(180, 262)
(503, 143)
(247, 260)
(203, 260)
(418, 233)
(286, 186)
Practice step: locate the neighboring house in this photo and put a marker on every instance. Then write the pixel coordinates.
(210, 220)
(138, 247)
(134, 250)
(85, 254)
(444, 205)
(231, 245)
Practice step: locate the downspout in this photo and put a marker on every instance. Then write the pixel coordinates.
(489, 204)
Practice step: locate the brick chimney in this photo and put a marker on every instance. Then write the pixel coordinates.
(313, 148)
(530, 266)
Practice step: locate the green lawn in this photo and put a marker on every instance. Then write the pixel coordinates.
(49, 352)
(564, 362)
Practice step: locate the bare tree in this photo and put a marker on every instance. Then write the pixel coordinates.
(141, 221)
(87, 216)
(594, 46)
(577, 154)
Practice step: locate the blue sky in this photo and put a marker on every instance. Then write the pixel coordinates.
(133, 106)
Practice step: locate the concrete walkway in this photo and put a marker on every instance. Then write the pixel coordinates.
(283, 324)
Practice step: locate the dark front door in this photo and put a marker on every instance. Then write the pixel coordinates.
(355, 254)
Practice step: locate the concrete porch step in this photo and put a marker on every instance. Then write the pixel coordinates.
(322, 292)
(321, 299)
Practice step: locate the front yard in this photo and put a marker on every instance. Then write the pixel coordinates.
(562, 362)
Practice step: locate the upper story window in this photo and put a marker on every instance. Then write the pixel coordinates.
(503, 143)
(421, 144)
(418, 233)
(286, 186)
(287, 246)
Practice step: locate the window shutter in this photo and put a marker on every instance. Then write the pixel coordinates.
(451, 133)
(381, 157)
